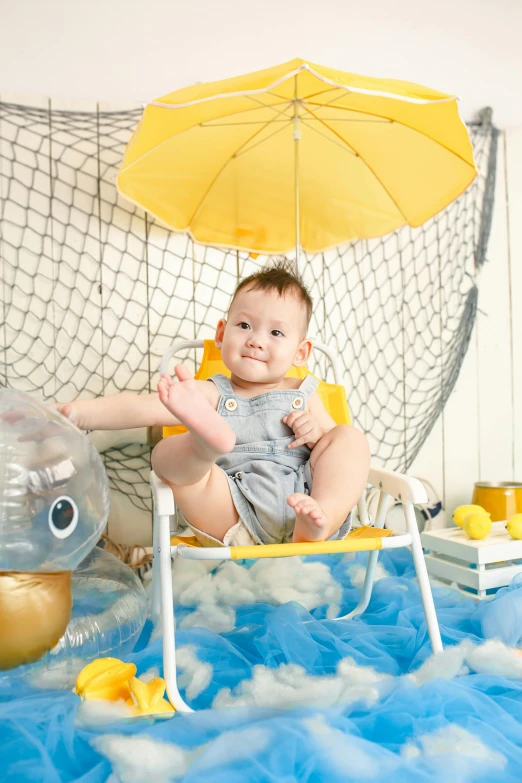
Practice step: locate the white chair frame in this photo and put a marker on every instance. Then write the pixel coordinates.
(408, 491)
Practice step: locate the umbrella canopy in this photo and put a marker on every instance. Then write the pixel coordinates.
(298, 155)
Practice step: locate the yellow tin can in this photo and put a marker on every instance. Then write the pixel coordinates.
(501, 499)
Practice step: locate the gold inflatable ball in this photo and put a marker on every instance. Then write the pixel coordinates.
(514, 526)
(477, 525)
(35, 609)
(460, 513)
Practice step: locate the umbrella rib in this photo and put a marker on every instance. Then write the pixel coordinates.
(375, 121)
(403, 125)
(358, 155)
(261, 141)
(343, 146)
(223, 167)
(215, 121)
(186, 130)
(328, 103)
(246, 122)
(323, 92)
(268, 106)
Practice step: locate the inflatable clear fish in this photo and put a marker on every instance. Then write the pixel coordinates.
(54, 504)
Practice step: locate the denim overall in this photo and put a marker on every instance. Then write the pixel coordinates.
(262, 471)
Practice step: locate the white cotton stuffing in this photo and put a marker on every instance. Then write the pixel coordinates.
(215, 590)
(219, 619)
(232, 746)
(345, 754)
(58, 675)
(491, 657)
(357, 573)
(195, 675)
(141, 759)
(291, 686)
(494, 657)
(96, 712)
(469, 754)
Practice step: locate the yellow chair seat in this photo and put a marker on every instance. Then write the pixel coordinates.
(362, 539)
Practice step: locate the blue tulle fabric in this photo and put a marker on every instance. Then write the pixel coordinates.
(40, 740)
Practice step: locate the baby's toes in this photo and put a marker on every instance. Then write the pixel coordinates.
(296, 498)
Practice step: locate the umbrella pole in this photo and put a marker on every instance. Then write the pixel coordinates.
(297, 138)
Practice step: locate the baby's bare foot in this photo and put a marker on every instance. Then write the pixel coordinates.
(310, 520)
(186, 402)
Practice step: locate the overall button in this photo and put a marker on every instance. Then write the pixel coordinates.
(231, 404)
(297, 402)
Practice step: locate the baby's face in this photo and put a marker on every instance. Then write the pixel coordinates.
(263, 335)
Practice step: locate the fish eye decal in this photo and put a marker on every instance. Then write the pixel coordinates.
(63, 517)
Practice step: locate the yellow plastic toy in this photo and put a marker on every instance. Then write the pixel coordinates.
(477, 525)
(514, 526)
(110, 679)
(460, 513)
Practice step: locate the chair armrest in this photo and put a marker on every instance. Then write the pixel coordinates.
(400, 486)
(163, 496)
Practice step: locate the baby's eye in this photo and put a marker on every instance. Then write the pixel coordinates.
(243, 325)
(277, 333)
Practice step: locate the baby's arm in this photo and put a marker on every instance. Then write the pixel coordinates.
(124, 411)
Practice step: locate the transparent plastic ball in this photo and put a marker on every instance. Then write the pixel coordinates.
(54, 495)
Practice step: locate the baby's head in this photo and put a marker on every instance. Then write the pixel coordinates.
(265, 331)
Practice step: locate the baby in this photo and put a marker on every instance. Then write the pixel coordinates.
(262, 461)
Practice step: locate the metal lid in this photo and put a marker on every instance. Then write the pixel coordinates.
(500, 484)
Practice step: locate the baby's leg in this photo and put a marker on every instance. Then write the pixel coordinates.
(340, 462)
(187, 462)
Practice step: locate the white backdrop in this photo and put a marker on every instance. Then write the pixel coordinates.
(120, 50)
(479, 435)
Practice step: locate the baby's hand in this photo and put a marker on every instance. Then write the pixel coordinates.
(37, 429)
(306, 428)
(67, 410)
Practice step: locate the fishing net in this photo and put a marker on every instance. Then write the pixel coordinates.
(93, 291)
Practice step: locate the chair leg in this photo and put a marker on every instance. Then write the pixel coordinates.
(362, 509)
(372, 562)
(167, 617)
(422, 576)
(156, 583)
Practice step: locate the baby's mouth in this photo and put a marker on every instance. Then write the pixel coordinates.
(254, 359)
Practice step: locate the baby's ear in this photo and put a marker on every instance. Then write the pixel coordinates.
(220, 331)
(303, 353)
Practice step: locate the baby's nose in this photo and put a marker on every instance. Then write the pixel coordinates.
(255, 340)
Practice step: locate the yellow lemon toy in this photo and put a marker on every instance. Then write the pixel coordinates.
(514, 526)
(460, 513)
(477, 526)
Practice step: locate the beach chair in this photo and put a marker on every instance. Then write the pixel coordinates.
(371, 536)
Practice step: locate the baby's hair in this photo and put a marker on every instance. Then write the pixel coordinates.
(282, 277)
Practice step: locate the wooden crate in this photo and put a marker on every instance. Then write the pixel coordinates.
(477, 565)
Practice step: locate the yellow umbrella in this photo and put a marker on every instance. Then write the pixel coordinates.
(297, 155)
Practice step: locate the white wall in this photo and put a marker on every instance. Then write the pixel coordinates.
(119, 50)
(479, 435)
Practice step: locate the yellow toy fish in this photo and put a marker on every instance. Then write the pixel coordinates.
(110, 679)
